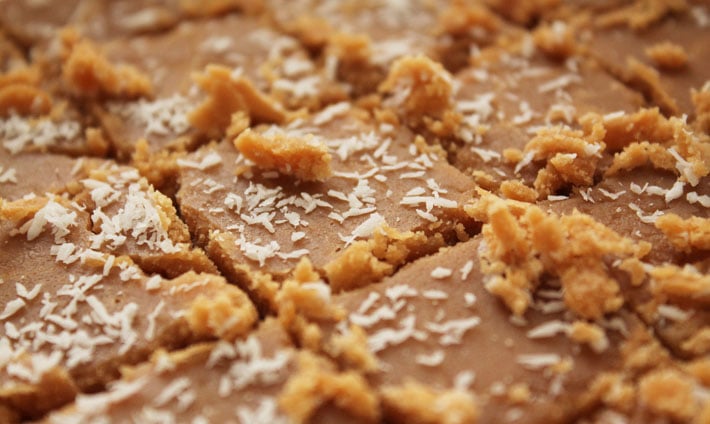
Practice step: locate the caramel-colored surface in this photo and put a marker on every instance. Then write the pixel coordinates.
(434, 211)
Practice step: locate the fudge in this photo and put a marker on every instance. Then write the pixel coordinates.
(361, 39)
(249, 380)
(435, 323)
(666, 57)
(74, 315)
(253, 54)
(251, 217)
(435, 211)
(499, 103)
(36, 22)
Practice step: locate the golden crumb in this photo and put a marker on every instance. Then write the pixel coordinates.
(519, 393)
(305, 158)
(88, 73)
(226, 315)
(516, 190)
(686, 234)
(416, 403)
(523, 243)
(352, 350)
(420, 88)
(668, 393)
(641, 14)
(226, 95)
(668, 55)
(572, 157)
(555, 40)
(317, 383)
(649, 81)
(590, 334)
(20, 93)
(306, 295)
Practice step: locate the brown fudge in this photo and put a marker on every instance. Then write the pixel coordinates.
(274, 63)
(228, 382)
(78, 311)
(361, 39)
(435, 322)
(37, 21)
(511, 93)
(251, 218)
(665, 58)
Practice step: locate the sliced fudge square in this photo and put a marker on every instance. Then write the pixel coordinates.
(435, 323)
(664, 56)
(259, 215)
(35, 23)
(493, 108)
(75, 315)
(246, 47)
(359, 40)
(256, 379)
(129, 217)
(653, 206)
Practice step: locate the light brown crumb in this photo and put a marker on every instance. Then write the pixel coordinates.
(20, 93)
(317, 383)
(555, 40)
(523, 243)
(685, 284)
(306, 158)
(356, 267)
(420, 88)
(668, 55)
(227, 95)
(298, 296)
(648, 80)
(227, 315)
(572, 157)
(519, 393)
(661, 138)
(368, 261)
(87, 73)
(668, 393)
(686, 234)
(416, 403)
(699, 343)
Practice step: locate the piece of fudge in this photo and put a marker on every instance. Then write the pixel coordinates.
(258, 214)
(500, 102)
(37, 22)
(659, 49)
(257, 379)
(74, 315)
(40, 173)
(435, 323)
(360, 40)
(245, 46)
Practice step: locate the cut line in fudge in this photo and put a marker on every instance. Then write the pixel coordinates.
(435, 323)
(254, 56)
(257, 379)
(74, 315)
(258, 220)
